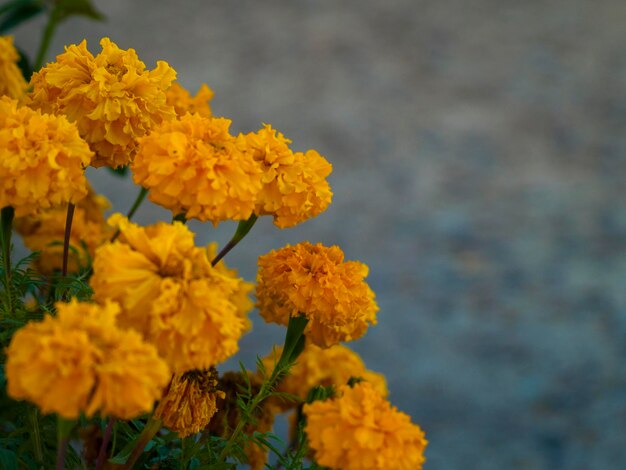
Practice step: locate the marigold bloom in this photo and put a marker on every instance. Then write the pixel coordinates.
(112, 98)
(170, 293)
(325, 367)
(12, 81)
(44, 232)
(188, 404)
(313, 280)
(184, 103)
(294, 184)
(79, 361)
(42, 159)
(192, 166)
(360, 429)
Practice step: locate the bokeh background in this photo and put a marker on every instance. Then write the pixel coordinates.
(479, 153)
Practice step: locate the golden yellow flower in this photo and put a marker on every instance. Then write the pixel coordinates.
(184, 103)
(80, 362)
(192, 166)
(188, 404)
(294, 184)
(314, 280)
(360, 429)
(42, 160)
(44, 232)
(229, 414)
(111, 97)
(170, 293)
(12, 81)
(317, 366)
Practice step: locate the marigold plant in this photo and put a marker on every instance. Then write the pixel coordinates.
(112, 331)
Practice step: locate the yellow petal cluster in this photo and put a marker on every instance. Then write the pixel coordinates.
(360, 429)
(184, 103)
(12, 81)
(44, 232)
(294, 183)
(169, 292)
(81, 362)
(188, 404)
(193, 166)
(111, 97)
(42, 160)
(317, 366)
(314, 280)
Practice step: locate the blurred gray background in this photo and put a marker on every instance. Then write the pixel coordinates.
(479, 157)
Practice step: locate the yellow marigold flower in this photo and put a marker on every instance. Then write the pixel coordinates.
(112, 98)
(294, 184)
(313, 280)
(42, 159)
(229, 414)
(192, 166)
(360, 429)
(170, 293)
(80, 362)
(316, 366)
(12, 81)
(188, 404)
(184, 103)
(44, 232)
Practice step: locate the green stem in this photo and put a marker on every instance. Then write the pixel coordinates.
(34, 421)
(294, 342)
(242, 230)
(66, 238)
(53, 20)
(105, 443)
(138, 200)
(149, 431)
(7, 215)
(64, 427)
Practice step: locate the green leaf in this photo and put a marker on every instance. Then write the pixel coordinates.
(8, 459)
(67, 8)
(21, 12)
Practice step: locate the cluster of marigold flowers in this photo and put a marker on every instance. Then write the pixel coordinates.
(164, 313)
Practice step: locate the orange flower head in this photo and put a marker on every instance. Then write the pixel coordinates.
(360, 429)
(42, 160)
(81, 362)
(184, 103)
(294, 184)
(111, 97)
(170, 293)
(192, 166)
(314, 280)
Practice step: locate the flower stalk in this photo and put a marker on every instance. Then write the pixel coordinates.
(105, 443)
(5, 233)
(149, 431)
(66, 238)
(242, 230)
(294, 344)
